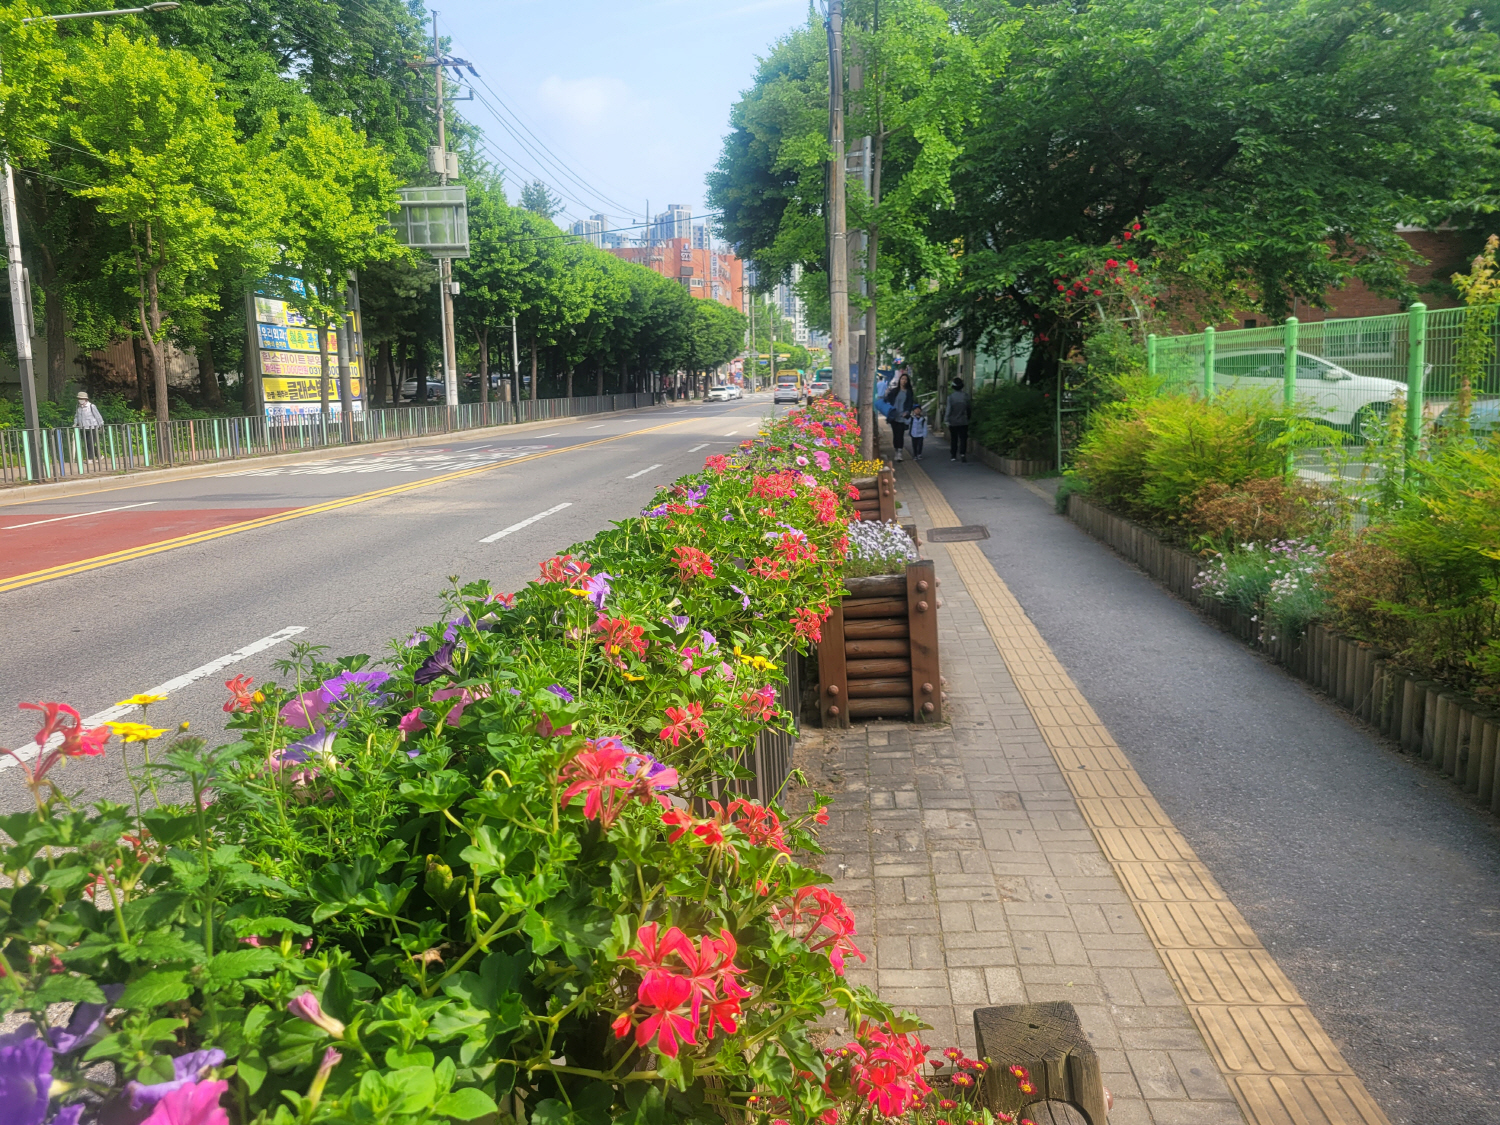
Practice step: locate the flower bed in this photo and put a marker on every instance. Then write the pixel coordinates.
(472, 881)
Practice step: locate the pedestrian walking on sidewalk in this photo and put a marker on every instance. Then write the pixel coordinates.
(900, 399)
(88, 419)
(958, 422)
(917, 427)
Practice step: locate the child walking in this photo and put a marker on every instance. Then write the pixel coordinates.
(917, 430)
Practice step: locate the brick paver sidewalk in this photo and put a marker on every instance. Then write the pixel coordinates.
(981, 877)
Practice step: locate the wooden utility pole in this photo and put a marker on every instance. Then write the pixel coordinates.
(445, 265)
(838, 259)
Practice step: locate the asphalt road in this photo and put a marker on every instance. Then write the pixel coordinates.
(352, 573)
(1374, 883)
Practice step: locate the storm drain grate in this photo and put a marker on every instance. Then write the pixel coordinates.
(957, 534)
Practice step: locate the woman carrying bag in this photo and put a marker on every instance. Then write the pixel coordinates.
(900, 399)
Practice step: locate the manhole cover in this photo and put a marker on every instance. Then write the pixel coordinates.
(957, 534)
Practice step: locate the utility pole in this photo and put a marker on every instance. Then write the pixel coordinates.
(20, 311)
(445, 265)
(838, 260)
(515, 363)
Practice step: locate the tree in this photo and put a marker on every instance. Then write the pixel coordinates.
(163, 165)
(1269, 151)
(335, 194)
(539, 199)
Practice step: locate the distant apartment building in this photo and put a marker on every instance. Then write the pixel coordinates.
(673, 223)
(783, 295)
(592, 229)
(713, 274)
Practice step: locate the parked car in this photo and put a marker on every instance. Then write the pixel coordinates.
(788, 388)
(820, 385)
(1484, 418)
(434, 390)
(1325, 391)
(723, 392)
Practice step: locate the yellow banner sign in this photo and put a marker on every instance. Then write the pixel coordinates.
(279, 390)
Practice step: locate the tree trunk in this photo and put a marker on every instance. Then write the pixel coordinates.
(569, 376)
(142, 376)
(599, 380)
(484, 363)
(384, 376)
(421, 362)
(323, 369)
(158, 361)
(57, 330)
(870, 360)
(533, 367)
(208, 378)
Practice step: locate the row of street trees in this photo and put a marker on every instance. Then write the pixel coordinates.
(1255, 155)
(168, 163)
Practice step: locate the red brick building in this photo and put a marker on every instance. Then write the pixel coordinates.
(716, 275)
(1447, 252)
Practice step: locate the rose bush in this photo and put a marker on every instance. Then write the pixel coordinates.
(488, 879)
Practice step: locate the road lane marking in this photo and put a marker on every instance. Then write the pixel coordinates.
(77, 515)
(698, 447)
(131, 553)
(731, 433)
(646, 470)
(501, 534)
(119, 710)
(551, 434)
(600, 426)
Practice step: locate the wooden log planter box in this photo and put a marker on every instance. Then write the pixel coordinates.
(1010, 466)
(879, 655)
(1458, 737)
(877, 496)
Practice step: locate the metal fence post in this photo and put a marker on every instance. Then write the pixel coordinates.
(1289, 384)
(1416, 368)
(1208, 363)
(1150, 357)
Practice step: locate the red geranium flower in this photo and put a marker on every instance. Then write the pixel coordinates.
(241, 697)
(683, 723)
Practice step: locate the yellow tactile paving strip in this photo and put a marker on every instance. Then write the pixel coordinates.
(1281, 1065)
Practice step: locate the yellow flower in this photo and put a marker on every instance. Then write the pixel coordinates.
(628, 676)
(577, 593)
(141, 700)
(136, 732)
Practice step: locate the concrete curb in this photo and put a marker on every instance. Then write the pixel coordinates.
(27, 493)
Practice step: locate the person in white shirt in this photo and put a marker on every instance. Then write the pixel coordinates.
(88, 419)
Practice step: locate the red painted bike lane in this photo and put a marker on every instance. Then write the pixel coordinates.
(37, 540)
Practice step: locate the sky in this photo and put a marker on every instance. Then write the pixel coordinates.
(631, 97)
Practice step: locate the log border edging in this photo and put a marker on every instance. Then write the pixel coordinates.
(1457, 736)
(1010, 466)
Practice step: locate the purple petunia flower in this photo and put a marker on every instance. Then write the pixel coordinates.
(186, 1069)
(598, 587)
(744, 597)
(338, 687)
(84, 1021)
(68, 1115)
(25, 1081)
(320, 742)
(305, 710)
(710, 642)
(653, 513)
(437, 665)
(561, 692)
(678, 623)
(697, 494)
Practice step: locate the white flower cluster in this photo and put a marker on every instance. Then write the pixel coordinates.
(871, 539)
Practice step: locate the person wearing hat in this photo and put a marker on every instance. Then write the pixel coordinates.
(88, 419)
(958, 422)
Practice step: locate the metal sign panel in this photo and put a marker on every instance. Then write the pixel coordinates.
(434, 220)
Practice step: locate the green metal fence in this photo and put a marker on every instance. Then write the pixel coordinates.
(73, 452)
(1346, 373)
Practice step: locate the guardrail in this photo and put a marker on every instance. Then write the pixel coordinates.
(72, 452)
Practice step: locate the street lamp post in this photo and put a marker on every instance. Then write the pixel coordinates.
(20, 298)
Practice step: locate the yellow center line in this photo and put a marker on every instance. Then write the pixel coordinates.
(63, 570)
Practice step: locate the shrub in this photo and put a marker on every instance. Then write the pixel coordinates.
(1264, 510)
(495, 871)
(1013, 420)
(1424, 583)
(1152, 457)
